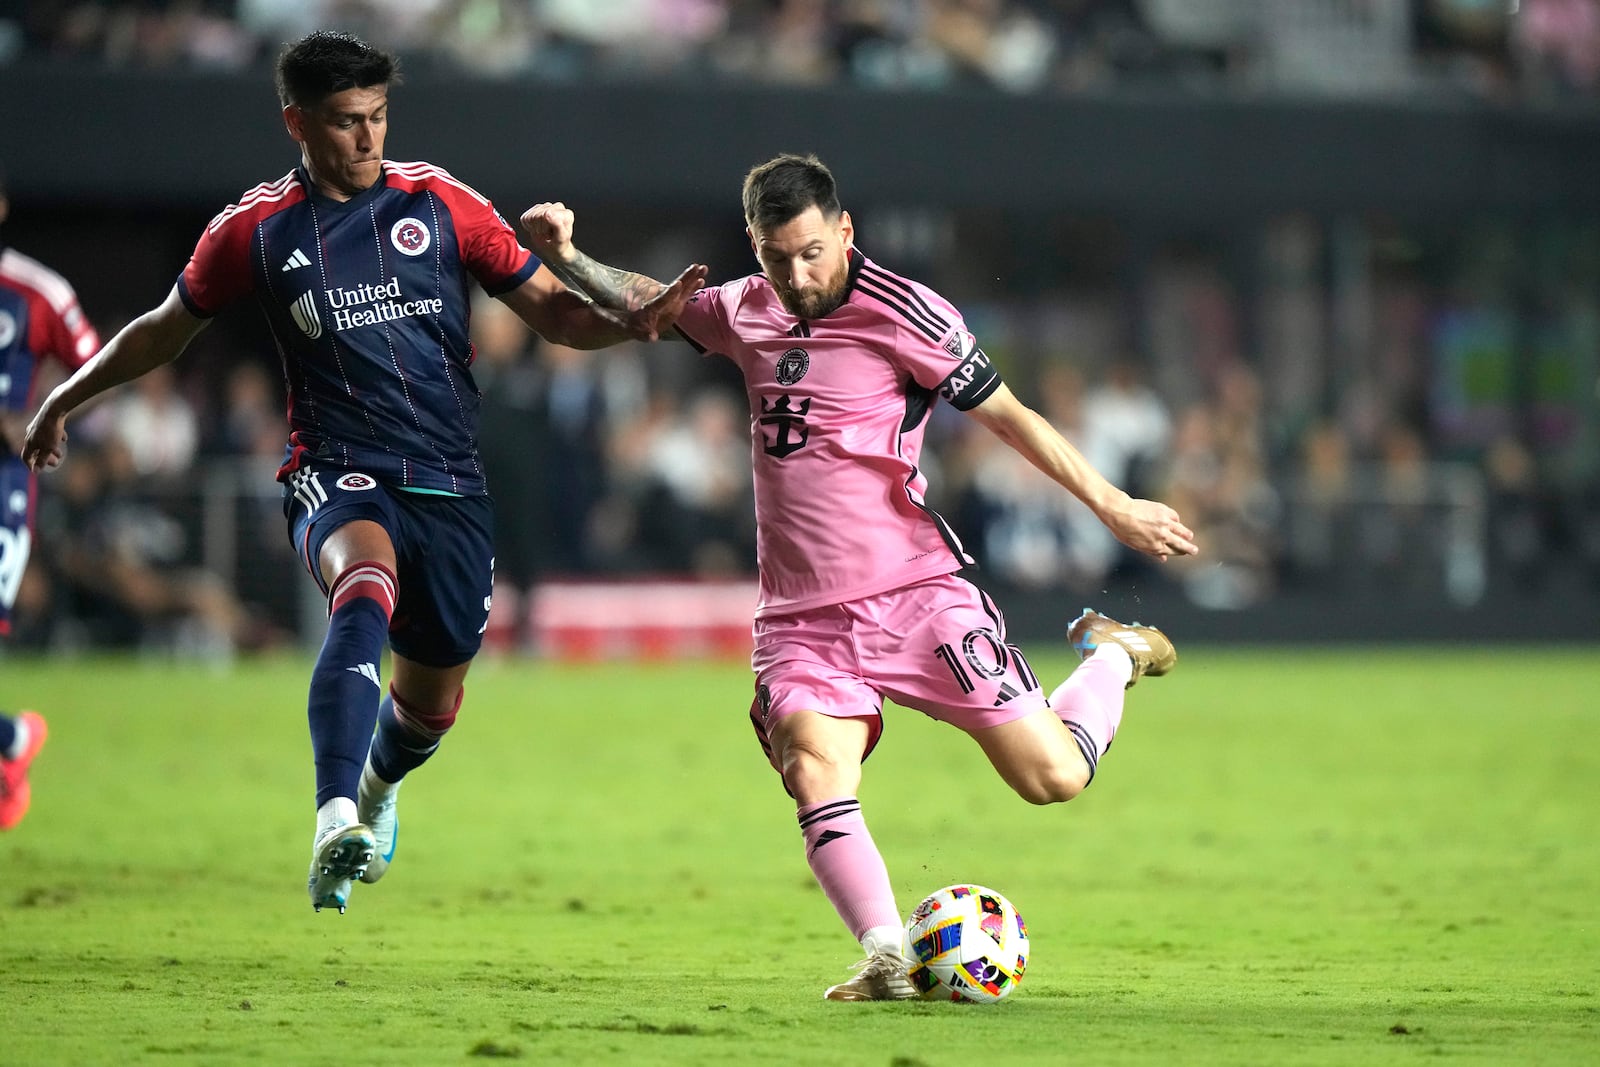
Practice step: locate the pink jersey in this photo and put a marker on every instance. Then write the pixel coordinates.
(838, 409)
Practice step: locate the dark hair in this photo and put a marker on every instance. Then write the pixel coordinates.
(785, 186)
(323, 63)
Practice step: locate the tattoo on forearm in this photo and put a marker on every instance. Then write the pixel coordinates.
(620, 290)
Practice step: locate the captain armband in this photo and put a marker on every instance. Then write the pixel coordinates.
(972, 382)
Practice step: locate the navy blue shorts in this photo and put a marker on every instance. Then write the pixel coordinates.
(444, 556)
(16, 532)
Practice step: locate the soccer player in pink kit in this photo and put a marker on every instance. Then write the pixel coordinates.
(859, 595)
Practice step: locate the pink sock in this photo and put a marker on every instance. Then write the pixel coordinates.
(1089, 702)
(847, 864)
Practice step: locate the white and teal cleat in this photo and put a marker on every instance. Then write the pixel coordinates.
(378, 811)
(338, 858)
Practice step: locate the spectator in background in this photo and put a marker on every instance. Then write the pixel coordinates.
(543, 440)
(698, 501)
(251, 423)
(1321, 510)
(1127, 424)
(1031, 536)
(1467, 40)
(1518, 534)
(121, 565)
(1397, 538)
(1020, 534)
(998, 42)
(795, 45)
(157, 426)
(488, 37)
(247, 433)
(1217, 473)
(509, 442)
(1557, 43)
(1015, 45)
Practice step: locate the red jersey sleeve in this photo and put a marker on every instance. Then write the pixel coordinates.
(61, 330)
(489, 246)
(219, 270)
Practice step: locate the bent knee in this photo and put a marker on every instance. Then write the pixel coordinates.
(1052, 785)
(811, 769)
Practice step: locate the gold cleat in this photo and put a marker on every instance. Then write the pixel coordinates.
(881, 976)
(1150, 649)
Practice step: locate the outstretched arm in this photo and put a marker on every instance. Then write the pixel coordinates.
(650, 305)
(566, 315)
(158, 336)
(612, 287)
(1147, 526)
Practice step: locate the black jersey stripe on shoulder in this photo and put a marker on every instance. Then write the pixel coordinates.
(868, 287)
(880, 281)
(883, 277)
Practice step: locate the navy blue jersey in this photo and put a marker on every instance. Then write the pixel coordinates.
(368, 302)
(39, 319)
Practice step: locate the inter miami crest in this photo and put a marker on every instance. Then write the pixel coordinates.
(792, 366)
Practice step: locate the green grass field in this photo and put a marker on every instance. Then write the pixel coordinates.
(1289, 857)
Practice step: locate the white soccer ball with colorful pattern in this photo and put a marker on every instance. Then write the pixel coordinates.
(966, 942)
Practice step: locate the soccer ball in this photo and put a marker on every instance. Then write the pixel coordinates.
(966, 943)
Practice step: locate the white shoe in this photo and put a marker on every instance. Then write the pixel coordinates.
(377, 811)
(338, 857)
(881, 976)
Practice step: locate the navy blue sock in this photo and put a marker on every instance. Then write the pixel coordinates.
(344, 695)
(406, 737)
(8, 732)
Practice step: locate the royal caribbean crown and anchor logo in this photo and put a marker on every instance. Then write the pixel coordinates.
(785, 418)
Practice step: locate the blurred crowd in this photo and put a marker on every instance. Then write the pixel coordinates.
(1357, 407)
(1391, 439)
(1497, 48)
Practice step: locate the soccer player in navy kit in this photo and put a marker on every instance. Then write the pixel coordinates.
(39, 319)
(361, 265)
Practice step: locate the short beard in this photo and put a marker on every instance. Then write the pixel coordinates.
(816, 304)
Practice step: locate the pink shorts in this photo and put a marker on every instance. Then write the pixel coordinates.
(938, 646)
